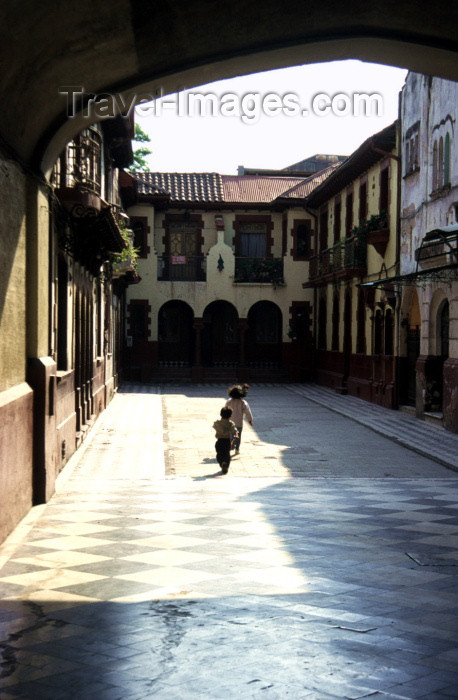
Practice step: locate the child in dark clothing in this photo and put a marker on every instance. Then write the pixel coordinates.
(225, 431)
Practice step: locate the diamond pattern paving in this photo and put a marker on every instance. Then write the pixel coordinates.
(261, 587)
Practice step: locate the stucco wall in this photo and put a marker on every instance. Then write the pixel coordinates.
(431, 102)
(219, 285)
(12, 275)
(16, 424)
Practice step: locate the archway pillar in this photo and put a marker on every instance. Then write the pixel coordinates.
(450, 396)
(242, 328)
(429, 384)
(197, 371)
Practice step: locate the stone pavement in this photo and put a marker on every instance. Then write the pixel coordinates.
(425, 438)
(322, 566)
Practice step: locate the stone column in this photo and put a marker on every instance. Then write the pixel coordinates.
(243, 371)
(450, 395)
(197, 370)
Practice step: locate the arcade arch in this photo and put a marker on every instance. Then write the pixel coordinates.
(175, 334)
(220, 336)
(264, 335)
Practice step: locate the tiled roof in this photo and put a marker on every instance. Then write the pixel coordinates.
(306, 187)
(256, 188)
(231, 189)
(370, 152)
(316, 163)
(182, 187)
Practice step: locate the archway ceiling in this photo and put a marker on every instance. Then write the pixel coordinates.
(127, 44)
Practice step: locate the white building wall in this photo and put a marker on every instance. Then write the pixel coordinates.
(433, 103)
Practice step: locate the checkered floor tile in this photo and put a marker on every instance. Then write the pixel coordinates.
(202, 586)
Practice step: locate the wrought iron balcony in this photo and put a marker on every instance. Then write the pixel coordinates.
(80, 165)
(438, 248)
(346, 259)
(259, 271)
(181, 268)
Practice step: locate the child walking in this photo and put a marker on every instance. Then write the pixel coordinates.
(240, 408)
(225, 432)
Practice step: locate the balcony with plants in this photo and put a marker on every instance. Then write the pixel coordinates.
(377, 230)
(259, 271)
(345, 259)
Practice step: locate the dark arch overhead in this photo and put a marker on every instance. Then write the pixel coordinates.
(144, 44)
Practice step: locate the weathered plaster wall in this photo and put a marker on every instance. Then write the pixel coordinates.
(16, 424)
(431, 103)
(12, 274)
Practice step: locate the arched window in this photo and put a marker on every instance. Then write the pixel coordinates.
(322, 325)
(378, 328)
(435, 173)
(335, 323)
(440, 164)
(415, 158)
(361, 324)
(444, 331)
(389, 332)
(447, 160)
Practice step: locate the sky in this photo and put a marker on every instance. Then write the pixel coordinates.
(259, 120)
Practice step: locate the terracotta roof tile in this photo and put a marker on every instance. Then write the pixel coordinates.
(232, 189)
(182, 187)
(256, 188)
(306, 186)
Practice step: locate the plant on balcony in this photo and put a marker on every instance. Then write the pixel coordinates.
(260, 270)
(127, 259)
(377, 222)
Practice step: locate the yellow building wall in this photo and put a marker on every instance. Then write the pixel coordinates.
(219, 285)
(12, 276)
(377, 265)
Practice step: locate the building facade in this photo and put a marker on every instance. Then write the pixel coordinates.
(221, 260)
(356, 242)
(74, 312)
(428, 281)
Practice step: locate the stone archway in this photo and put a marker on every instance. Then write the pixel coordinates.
(264, 336)
(430, 367)
(129, 46)
(410, 333)
(175, 334)
(220, 336)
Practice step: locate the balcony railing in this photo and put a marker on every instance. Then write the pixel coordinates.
(80, 165)
(181, 268)
(259, 271)
(438, 248)
(346, 259)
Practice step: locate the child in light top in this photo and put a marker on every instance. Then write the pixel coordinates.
(240, 409)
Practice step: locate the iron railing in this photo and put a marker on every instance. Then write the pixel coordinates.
(259, 270)
(181, 268)
(80, 165)
(346, 258)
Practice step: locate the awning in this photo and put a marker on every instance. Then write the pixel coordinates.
(440, 242)
(445, 273)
